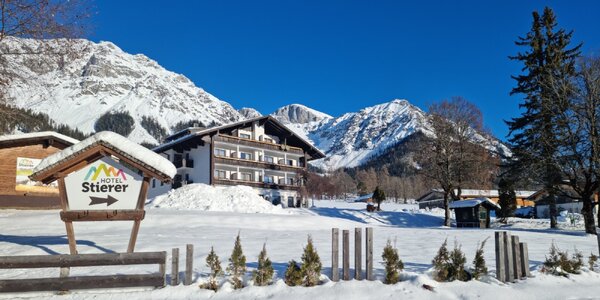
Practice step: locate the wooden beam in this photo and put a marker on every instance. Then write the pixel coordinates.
(80, 282)
(81, 260)
(175, 266)
(335, 253)
(189, 264)
(346, 254)
(369, 253)
(102, 215)
(357, 253)
(500, 263)
(65, 206)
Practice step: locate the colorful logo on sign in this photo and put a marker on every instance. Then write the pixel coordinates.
(109, 171)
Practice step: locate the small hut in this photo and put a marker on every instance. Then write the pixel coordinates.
(473, 212)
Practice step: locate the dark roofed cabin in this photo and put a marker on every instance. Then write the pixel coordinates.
(473, 212)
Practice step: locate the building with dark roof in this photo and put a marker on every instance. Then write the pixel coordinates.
(260, 152)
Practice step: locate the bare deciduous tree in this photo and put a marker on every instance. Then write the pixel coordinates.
(451, 159)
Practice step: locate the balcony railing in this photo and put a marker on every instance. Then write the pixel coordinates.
(265, 185)
(254, 163)
(258, 144)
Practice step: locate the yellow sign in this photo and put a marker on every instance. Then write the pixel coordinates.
(24, 184)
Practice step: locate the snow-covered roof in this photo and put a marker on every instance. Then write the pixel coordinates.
(39, 135)
(488, 193)
(362, 198)
(472, 203)
(116, 142)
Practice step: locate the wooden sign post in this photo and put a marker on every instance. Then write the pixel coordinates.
(102, 183)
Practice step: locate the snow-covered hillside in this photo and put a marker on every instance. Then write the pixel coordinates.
(78, 89)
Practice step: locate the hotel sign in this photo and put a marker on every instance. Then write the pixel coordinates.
(103, 185)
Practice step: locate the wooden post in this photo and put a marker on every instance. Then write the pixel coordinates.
(175, 267)
(500, 262)
(357, 253)
(162, 269)
(335, 253)
(508, 257)
(346, 254)
(64, 203)
(189, 264)
(524, 260)
(140, 207)
(369, 253)
(516, 257)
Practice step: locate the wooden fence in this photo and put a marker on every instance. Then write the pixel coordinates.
(512, 257)
(65, 261)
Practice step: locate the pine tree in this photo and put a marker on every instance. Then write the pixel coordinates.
(378, 196)
(440, 263)
(457, 265)
(507, 199)
(547, 61)
(393, 263)
(479, 267)
(237, 264)
(592, 261)
(311, 264)
(213, 262)
(263, 275)
(293, 274)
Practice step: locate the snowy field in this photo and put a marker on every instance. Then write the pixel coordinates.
(417, 235)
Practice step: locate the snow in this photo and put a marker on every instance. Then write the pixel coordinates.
(116, 142)
(199, 196)
(41, 134)
(472, 203)
(417, 234)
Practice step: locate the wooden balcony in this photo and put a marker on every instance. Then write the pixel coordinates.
(264, 185)
(257, 144)
(255, 164)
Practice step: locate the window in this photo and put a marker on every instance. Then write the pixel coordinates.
(244, 155)
(268, 140)
(220, 152)
(269, 159)
(220, 174)
(290, 162)
(246, 176)
(153, 183)
(290, 181)
(269, 179)
(245, 136)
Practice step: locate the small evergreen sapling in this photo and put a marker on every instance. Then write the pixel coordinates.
(457, 263)
(393, 263)
(592, 261)
(293, 274)
(440, 263)
(558, 262)
(479, 267)
(212, 261)
(237, 264)
(263, 275)
(311, 264)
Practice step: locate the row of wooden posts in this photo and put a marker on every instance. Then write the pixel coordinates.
(335, 275)
(512, 257)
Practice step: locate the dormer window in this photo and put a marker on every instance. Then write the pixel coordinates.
(245, 136)
(268, 140)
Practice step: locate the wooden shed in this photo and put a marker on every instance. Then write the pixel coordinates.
(19, 154)
(473, 212)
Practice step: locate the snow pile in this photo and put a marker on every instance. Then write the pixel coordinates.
(240, 199)
(115, 142)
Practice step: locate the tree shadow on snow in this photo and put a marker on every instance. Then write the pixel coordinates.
(42, 242)
(549, 230)
(391, 218)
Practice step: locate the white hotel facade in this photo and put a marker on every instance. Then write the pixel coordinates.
(260, 152)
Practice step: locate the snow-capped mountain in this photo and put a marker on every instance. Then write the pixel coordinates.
(353, 138)
(78, 89)
(249, 113)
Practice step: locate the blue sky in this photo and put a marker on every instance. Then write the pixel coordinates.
(341, 56)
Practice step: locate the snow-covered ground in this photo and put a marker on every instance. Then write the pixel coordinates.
(417, 234)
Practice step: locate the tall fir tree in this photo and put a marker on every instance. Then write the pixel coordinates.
(237, 264)
(378, 197)
(547, 61)
(507, 199)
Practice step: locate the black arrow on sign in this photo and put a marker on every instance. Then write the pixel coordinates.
(98, 200)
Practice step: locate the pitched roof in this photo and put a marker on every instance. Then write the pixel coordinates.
(192, 132)
(37, 136)
(119, 144)
(473, 202)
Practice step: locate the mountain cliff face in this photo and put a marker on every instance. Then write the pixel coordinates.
(249, 113)
(355, 138)
(100, 78)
